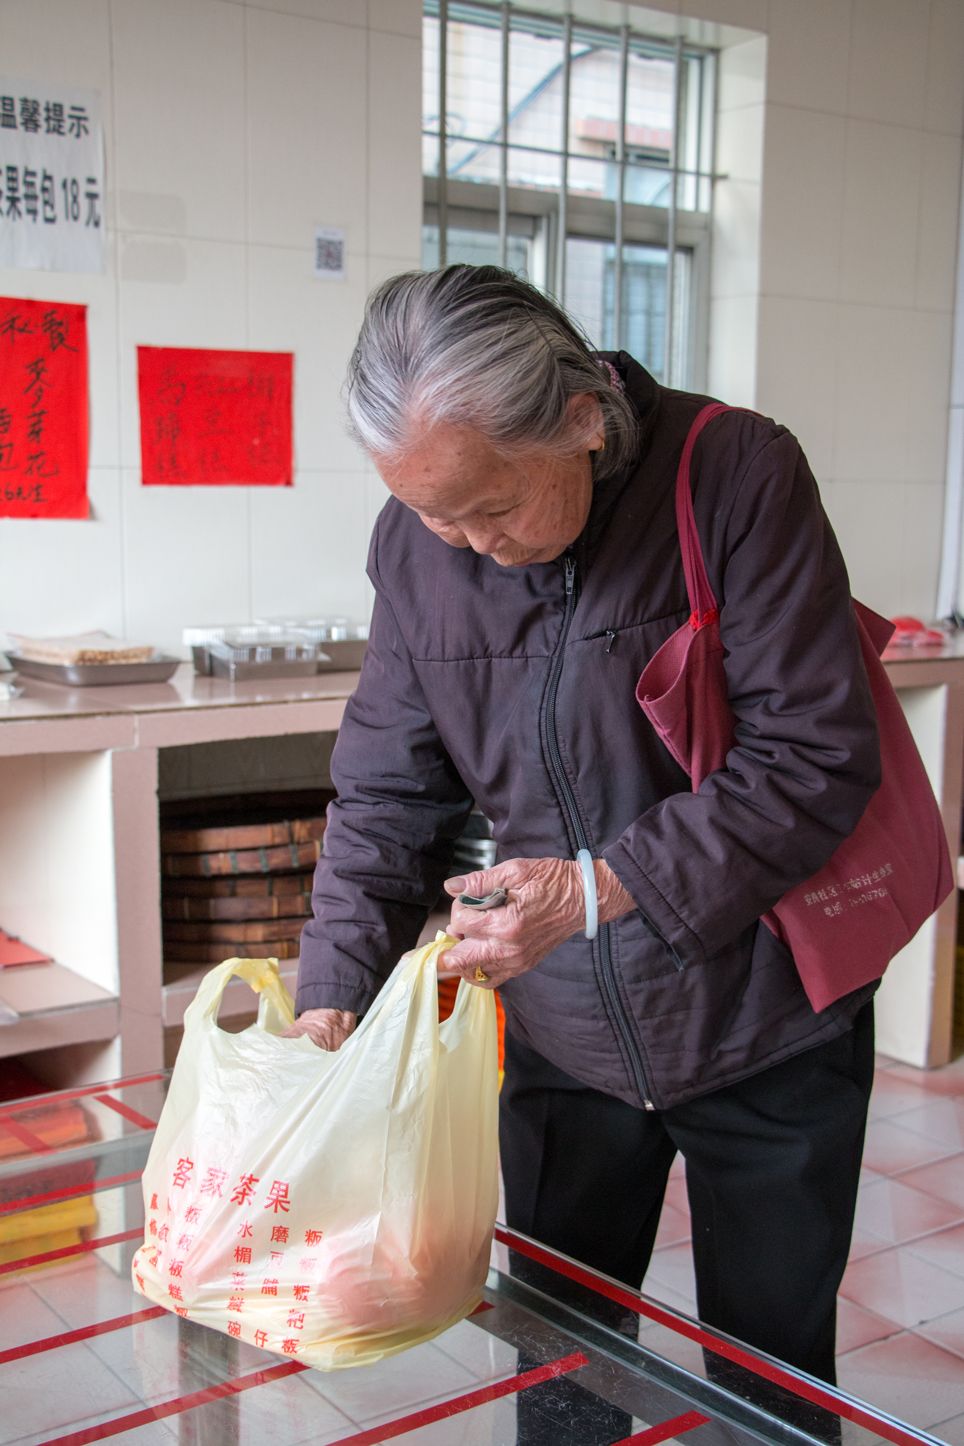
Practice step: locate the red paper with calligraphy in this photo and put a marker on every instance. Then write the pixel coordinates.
(214, 418)
(43, 409)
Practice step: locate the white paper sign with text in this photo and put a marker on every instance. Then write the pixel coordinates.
(51, 177)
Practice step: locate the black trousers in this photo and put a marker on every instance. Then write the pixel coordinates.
(772, 1166)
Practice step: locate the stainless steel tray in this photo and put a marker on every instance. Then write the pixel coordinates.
(96, 675)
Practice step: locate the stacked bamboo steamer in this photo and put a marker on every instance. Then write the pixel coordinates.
(239, 887)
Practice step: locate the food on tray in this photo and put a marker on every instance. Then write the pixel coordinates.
(82, 648)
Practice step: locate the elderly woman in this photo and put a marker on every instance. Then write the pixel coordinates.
(526, 568)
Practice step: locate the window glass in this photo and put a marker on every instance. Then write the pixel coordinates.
(594, 124)
(519, 175)
(591, 289)
(535, 106)
(477, 248)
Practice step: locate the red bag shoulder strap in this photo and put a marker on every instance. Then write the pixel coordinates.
(703, 608)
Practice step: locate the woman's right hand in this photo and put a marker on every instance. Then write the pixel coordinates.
(327, 1028)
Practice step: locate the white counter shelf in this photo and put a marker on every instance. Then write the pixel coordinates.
(80, 845)
(80, 864)
(55, 1006)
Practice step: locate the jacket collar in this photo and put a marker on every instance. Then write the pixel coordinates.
(643, 391)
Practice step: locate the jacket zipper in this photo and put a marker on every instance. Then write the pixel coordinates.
(568, 800)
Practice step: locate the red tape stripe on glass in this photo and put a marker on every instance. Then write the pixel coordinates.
(444, 1409)
(141, 1121)
(665, 1431)
(63, 1252)
(778, 1375)
(385, 1432)
(24, 1135)
(120, 1424)
(87, 1187)
(83, 1333)
(33, 1101)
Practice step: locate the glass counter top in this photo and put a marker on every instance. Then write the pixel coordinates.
(555, 1355)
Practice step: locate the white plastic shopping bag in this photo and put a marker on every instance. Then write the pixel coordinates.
(333, 1207)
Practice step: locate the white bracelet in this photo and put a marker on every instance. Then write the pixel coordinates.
(584, 860)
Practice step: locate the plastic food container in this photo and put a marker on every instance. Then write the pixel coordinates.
(342, 640)
(277, 655)
(200, 639)
(339, 644)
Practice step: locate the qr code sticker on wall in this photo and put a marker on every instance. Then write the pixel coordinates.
(330, 254)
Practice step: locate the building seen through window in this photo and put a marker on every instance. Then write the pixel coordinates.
(579, 157)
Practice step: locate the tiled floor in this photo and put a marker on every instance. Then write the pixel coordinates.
(901, 1318)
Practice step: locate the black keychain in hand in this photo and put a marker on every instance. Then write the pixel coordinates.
(494, 900)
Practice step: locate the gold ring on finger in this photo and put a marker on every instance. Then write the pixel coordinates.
(480, 975)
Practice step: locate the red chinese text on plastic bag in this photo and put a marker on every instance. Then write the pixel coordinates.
(333, 1207)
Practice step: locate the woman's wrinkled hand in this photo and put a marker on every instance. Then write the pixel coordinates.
(546, 905)
(327, 1028)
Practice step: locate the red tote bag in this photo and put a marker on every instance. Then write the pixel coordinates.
(844, 925)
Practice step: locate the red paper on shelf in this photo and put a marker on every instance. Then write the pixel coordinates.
(15, 951)
(43, 409)
(214, 418)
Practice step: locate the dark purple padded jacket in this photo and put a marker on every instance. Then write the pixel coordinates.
(515, 687)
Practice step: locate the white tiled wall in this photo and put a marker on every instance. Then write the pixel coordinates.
(232, 131)
(860, 105)
(234, 128)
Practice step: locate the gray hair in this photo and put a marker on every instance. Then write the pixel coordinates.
(477, 346)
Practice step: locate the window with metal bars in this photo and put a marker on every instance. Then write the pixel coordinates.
(579, 156)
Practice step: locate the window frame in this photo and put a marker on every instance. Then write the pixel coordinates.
(535, 211)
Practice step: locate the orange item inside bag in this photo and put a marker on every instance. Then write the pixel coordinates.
(447, 990)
